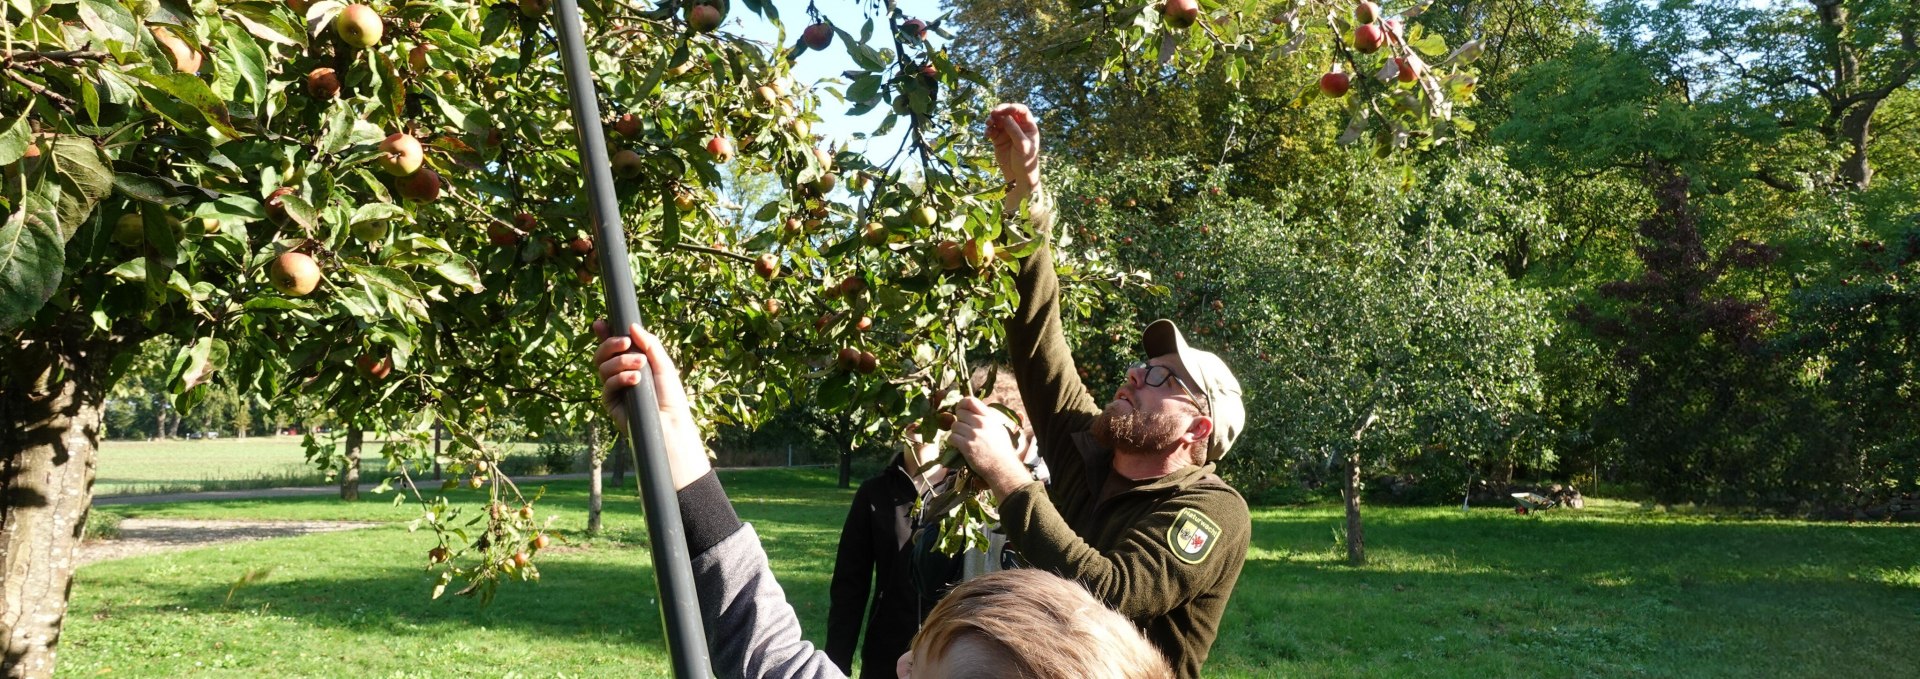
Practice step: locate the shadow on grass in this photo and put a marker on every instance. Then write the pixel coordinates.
(606, 593)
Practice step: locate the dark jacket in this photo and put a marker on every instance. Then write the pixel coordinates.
(1164, 552)
(877, 546)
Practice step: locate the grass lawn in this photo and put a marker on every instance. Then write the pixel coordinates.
(130, 467)
(1612, 591)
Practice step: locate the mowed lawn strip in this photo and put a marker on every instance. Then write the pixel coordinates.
(1613, 591)
(181, 466)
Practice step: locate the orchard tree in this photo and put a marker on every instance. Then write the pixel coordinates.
(376, 207)
(1369, 307)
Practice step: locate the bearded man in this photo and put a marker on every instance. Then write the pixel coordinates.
(1136, 513)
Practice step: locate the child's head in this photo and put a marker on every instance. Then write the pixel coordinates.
(1028, 624)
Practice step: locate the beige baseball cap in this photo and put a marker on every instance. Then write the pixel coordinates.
(1213, 379)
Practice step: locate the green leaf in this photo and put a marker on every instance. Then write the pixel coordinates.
(1433, 45)
(84, 179)
(669, 219)
(393, 88)
(865, 89)
(131, 270)
(273, 303)
(147, 189)
(767, 212)
(298, 209)
(14, 137)
(265, 24)
(460, 272)
(373, 212)
(392, 279)
(863, 55)
(247, 58)
(187, 93)
(31, 257)
(110, 21)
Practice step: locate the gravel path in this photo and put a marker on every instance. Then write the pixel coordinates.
(139, 537)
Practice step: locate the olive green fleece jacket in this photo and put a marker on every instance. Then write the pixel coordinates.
(1165, 553)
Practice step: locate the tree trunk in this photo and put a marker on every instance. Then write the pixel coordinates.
(350, 469)
(1356, 539)
(1855, 130)
(846, 465)
(595, 460)
(49, 434)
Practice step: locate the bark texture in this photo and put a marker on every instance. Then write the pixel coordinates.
(596, 461)
(1356, 539)
(50, 405)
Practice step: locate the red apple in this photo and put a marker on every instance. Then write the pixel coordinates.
(979, 252)
(276, 210)
(704, 18)
(400, 154)
(1335, 84)
(949, 254)
(375, 368)
(502, 235)
(1369, 38)
(817, 36)
(423, 186)
(1180, 13)
(358, 26)
(914, 28)
(721, 148)
(323, 83)
(767, 266)
(294, 274)
(628, 126)
(580, 246)
(185, 58)
(628, 164)
(1407, 71)
(1366, 12)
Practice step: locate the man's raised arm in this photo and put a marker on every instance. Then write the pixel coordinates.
(1057, 403)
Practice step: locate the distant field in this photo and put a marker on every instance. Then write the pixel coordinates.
(129, 467)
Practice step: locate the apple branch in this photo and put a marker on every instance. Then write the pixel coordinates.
(39, 90)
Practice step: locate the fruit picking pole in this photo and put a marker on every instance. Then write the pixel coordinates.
(672, 566)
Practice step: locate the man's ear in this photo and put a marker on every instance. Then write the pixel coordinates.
(1199, 430)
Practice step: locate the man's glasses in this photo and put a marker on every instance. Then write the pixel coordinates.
(1157, 376)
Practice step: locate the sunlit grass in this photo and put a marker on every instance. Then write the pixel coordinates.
(1614, 591)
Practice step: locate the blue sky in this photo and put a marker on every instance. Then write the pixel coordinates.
(849, 15)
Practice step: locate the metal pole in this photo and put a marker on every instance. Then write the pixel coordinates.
(672, 566)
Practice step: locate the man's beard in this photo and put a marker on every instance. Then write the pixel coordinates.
(1126, 430)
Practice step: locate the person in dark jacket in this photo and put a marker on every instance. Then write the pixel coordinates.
(1135, 513)
(1015, 623)
(878, 552)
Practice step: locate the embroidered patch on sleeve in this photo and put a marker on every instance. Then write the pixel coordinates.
(1192, 535)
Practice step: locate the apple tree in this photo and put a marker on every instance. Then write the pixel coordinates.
(375, 207)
